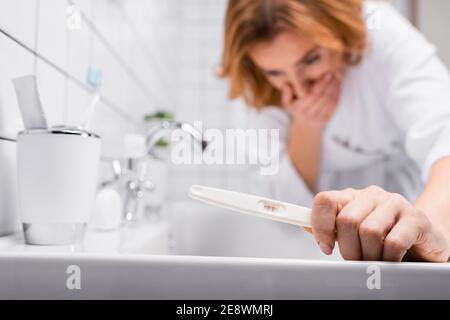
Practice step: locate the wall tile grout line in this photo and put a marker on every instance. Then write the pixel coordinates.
(142, 44)
(141, 84)
(2, 138)
(66, 74)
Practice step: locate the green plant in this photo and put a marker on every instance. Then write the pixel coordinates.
(159, 115)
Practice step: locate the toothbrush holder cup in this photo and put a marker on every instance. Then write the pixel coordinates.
(57, 183)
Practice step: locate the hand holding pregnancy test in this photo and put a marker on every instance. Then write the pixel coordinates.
(253, 205)
(413, 231)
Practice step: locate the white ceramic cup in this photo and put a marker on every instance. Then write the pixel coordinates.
(9, 217)
(57, 183)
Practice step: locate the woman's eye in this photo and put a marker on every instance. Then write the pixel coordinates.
(272, 73)
(312, 59)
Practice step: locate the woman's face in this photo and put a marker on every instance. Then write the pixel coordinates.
(293, 60)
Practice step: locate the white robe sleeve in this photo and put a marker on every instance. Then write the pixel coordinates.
(286, 184)
(417, 92)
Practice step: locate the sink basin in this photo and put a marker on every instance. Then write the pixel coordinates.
(207, 253)
(203, 230)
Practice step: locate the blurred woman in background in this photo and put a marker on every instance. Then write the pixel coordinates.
(363, 106)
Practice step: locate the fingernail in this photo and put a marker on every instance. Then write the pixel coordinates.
(326, 248)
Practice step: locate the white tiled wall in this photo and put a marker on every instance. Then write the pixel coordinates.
(115, 38)
(130, 42)
(201, 95)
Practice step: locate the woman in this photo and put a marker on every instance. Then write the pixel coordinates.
(363, 104)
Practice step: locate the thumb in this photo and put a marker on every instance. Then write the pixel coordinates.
(325, 209)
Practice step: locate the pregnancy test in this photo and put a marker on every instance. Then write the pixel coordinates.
(253, 205)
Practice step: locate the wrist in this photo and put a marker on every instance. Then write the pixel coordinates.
(304, 151)
(304, 128)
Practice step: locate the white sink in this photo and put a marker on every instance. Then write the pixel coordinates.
(206, 253)
(203, 230)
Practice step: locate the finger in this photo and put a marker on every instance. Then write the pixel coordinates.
(320, 107)
(400, 239)
(327, 112)
(287, 96)
(349, 219)
(318, 98)
(322, 84)
(374, 229)
(414, 236)
(316, 91)
(339, 74)
(325, 105)
(302, 105)
(330, 101)
(314, 107)
(326, 206)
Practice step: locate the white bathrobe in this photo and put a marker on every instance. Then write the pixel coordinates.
(391, 125)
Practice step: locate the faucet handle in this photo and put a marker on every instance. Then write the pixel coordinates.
(147, 185)
(116, 169)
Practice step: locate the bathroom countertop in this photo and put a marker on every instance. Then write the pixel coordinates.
(119, 241)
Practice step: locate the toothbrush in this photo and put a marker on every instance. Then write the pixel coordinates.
(90, 111)
(30, 103)
(94, 80)
(253, 205)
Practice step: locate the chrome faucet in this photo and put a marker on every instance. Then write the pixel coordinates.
(134, 179)
(136, 185)
(155, 133)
